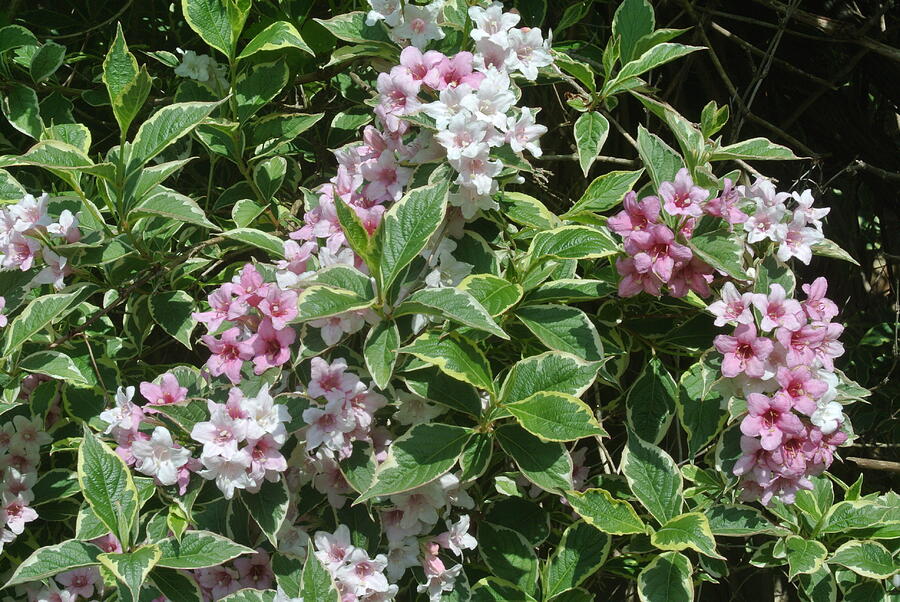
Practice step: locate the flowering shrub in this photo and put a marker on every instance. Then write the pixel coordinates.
(409, 373)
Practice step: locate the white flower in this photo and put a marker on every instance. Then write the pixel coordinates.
(765, 222)
(361, 574)
(439, 582)
(463, 133)
(470, 201)
(420, 24)
(229, 472)
(386, 10)
(265, 416)
(160, 457)
(457, 538)
(477, 172)
(194, 66)
(335, 327)
(415, 410)
(125, 415)
(522, 133)
(529, 52)
(812, 216)
(492, 100)
(492, 23)
(828, 416)
(449, 104)
(332, 550)
(54, 270)
(402, 554)
(798, 240)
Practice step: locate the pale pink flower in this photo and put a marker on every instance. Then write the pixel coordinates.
(109, 543)
(765, 222)
(20, 252)
(398, 96)
(797, 241)
(66, 227)
(79, 582)
(476, 170)
(419, 24)
(280, 306)
(296, 256)
(462, 133)
(828, 417)
(333, 549)
(492, 23)
(725, 205)
(255, 571)
(777, 310)
(219, 581)
(733, 306)
(529, 51)
(125, 415)
(361, 574)
(493, 99)
(681, 197)
(457, 538)
(805, 209)
(421, 67)
(30, 213)
(328, 426)
(249, 285)
(55, 270)
(830, 347)
(386, 10)
(744, 352)
(228, 354)
(15, 513)
(816, 305)
(523, 133)
(159, 456)
(166, 393)
(385, 177)
(265, 459)
(221, 434)
(330, 381)
(3, 318)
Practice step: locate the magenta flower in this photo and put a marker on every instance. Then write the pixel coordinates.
(228, 354)
(655, 250)
(165, 393)
(223, 306)
(817, 306)
(279, 306)
(682, 197)
(744, 352)
(456, 71)
(769, 419)
(635, 216)
(270, 346)
(777, 310)
(799, 384)
(789, 459)
(634, 281)
(420, 67)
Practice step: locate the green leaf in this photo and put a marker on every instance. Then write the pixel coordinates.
(494, 589)
(133, 567)
(700, 410)
(495, 294)
(651, 59)
(321, 302)
(172, 311)
(268, 175)
(277, 36)
(46, 61)
(55, 484)
(545, 463)
(550, 371)
(651, 402)
(433, 384)
(119, 66)
(654, 478)
(268, 507)
(713, 118)
(288, 573)
(661, 161)
(858, 514)
(10, 189)
(667, 577)
(556, 416)
(359, 468)
(272, 132)
(380, 352)
(455, 356)
(316, 581)
(755, 148)
(453, 304)
(15, 36)
(177, 586)
(38, 314)
(600, 510)
(107, 486)
(591, 130)
(685, 531)
(570, 289)
(476, 456)
(172, 205)
(54, 364)
(20, 107)
(721, 250)
(803, 555)
(74, 134)
(829, 248)
(199, 549)
(867, 558)
(273, 245)
(820, 586)
(166, 126)
(580, 553)
(218, 22)
(633, 20)
(356, 234)
(351, 27)
(244, 211)
(739, 521)
(407, 226)
(257, 86)
(605, 192)
(572, 242)
(508, 555)
(527, 211)
(562, 328)
(416, 458)
(51, 560)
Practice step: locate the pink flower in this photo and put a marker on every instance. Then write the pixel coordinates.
(228, 354)
(694, 275)
(109, 543)
(20, 252)
(254, 571)
(328, 426)
(733, 307)
(361, 574)
(816, 305)
(332, 550)
(636, 216)
(386, 178)
(271, 347)
(249, 285)
(452, 72)
(165, 393)
(3, 319)
(777, 310)
(725, 205)
(79, 581)
(296, 256)
(265, 459)
(221, 434)
(219, 581)
(15, 512)
(655, 250)
(769, 419)
(398, 96)
(223, 306)
(634, 281)
(744, 352)
(830, 347)
(280, 306)
(800, 345)
(682, 197)
(523, 133)
(420, 67)
(798, 240)
(799, 384)
(329, 381)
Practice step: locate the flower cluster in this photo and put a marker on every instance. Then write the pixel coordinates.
(20, 446)
(204, 69)
(259, 313)
(356, 574)
(258, 423)
(155, 454)
(795, 231)
(27, 233)
(782, 357)
(246, 572)
(655, 255)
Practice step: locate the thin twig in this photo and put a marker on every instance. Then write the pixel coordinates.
(876, 464)
(118, 14)
(601, 158)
